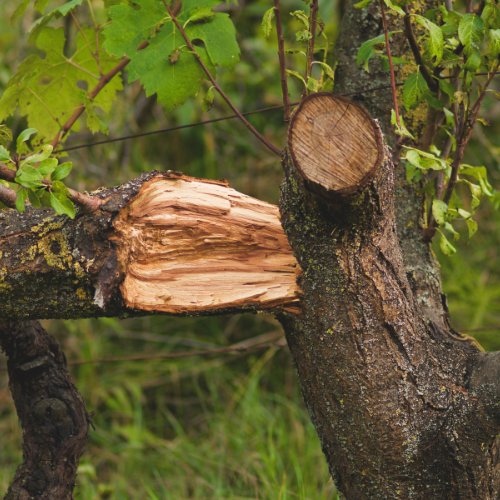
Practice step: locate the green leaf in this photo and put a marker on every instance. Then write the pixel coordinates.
(394, 7)
(29, 177)
(413, 90)
(5, 135)
(34, 199)
(435, 44)
(94, 123)
(18, 13)
(174, 83)
(50, 85)
(24, 136)
(471, 226)
(491, 16)
(61, 171)
(43, 155)
(312, 84)
(4, 154)
(301, 16)
(473, 62)
(303, 36)
(327, 69)
(267, 22)
(40, 5)
(208, 101)
(46, 167)
(448, 89)
(202, 14)
(22, 194)
(400, 129)
(439, 210)
(481, 175)
(362, 4)
(471, 30)
(450, 28)
(36, 28)
(62, 205)
(446, 247)
(494, 43)
(367, 50)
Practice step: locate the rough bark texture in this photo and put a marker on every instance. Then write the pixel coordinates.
(387, 390)
(176, 230)
(359, 25)
(52, 413)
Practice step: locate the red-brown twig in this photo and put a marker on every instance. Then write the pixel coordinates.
(257, 134)
(103, 81)
(312, 31)
(281, 56)
(223, 350)
(393, 79)
(88, 203)
(8, 196)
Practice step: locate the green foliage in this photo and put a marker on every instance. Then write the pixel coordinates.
(414, 90)
(47, 89)
(173, 83)
(267, 22)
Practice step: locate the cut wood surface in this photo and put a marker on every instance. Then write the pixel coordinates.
(335, 144)
(188, 244)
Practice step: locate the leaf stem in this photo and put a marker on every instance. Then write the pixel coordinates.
(391, 65)
(270, 146)
(94, 55)
(312, 30)
(281, 56)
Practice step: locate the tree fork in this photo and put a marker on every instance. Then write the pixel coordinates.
(396, 401)
(52, 412)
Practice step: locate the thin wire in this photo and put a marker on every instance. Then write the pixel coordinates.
(229, 117)
(174, 355)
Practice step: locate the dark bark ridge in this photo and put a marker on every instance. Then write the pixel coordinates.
(52, 412)
(387, 390)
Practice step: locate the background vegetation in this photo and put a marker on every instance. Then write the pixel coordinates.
(229, 426)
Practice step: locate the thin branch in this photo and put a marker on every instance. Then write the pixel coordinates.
(468, 8)
(94, 55)
(312, 30)
(393, 79)
(432, 84)
(449, 5)
(270, 146)
(281, 56)
(7, 196)
(103, 81)
(96, 29)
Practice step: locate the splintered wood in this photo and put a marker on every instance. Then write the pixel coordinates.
(190, 245)
(334, 144)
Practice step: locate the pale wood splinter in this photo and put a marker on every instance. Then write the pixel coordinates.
(188, 245)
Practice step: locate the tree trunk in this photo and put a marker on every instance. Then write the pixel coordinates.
(396, 399)
(52, 413)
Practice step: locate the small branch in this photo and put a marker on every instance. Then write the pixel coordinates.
(468, 8)
(281, 56)
(393, 79)
(433, 85)
(96, 29)
(449, 5)
(8, 196)
(88, 203)
(273, 148)
(312, 30)
(103, 81)
(94, 54)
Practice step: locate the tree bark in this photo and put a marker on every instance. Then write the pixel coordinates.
(52, 413)
(396, 398)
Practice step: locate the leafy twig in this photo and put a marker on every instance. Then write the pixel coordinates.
(312, 31)
(94, 55)
(281, 56)
(270, 146)
(88, 203)
(391, 65)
